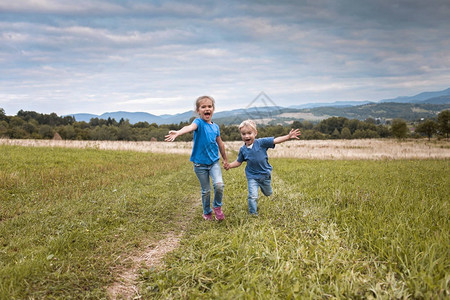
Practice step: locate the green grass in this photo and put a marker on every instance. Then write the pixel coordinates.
(332, 229)
(394, 211)
(68, 217)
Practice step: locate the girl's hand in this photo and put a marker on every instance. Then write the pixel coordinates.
(171, 136)
(294, 134)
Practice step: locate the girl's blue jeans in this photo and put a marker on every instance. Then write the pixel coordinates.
(253, 186)
(204, 172)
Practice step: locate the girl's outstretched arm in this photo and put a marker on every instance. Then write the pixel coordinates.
(293, 134)
(173, 134)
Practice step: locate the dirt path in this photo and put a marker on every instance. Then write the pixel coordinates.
(125, 286)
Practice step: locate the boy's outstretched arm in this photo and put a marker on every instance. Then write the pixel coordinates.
(173, 134)
(293, 134)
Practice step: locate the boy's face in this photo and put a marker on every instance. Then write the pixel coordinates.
(248, 135)
(206, 110)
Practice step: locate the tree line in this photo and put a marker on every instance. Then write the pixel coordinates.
(33, 125)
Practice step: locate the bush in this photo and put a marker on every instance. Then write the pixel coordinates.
(427, 128)
(399, 128)
(46, 131)
(444, 123)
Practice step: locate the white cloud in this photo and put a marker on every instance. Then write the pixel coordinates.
(58, 6)
(105, 55)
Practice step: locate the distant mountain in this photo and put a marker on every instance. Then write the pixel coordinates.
(135, 117)
(419, 97)
(438, 100)
(423, 105)
(261, 114)
(83, 117)
(176, 119)
(330, 104)
(250, 112)
(387, 110)
(424, 97)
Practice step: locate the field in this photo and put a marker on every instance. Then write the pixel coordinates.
(83, 222)
(373, 149)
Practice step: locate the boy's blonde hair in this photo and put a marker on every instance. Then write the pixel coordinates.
(199, 99)
(248, 123)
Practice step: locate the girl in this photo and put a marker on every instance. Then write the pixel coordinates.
(258, 170)
(205, 155)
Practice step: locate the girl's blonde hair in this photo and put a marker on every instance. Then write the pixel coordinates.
(199, 99)
(248, 123)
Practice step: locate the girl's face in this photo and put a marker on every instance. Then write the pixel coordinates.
(248, 135)
(206, 110)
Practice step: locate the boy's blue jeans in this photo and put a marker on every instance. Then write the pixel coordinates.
(203, 173)
(253, 187)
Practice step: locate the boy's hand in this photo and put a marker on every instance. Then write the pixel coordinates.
(226, 165)
(294, 134)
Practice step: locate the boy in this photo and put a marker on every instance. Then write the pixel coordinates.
(254, 152)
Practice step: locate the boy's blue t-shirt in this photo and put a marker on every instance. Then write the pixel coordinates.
(205, 150)
(256, 157)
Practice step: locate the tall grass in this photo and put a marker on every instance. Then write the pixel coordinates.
(68, 217)
(371, 149)
(332, 229)
(396, 211)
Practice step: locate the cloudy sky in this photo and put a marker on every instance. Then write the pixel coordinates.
(96, 56)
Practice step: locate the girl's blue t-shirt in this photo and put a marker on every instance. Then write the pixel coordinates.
(205, 150)
(258, 166)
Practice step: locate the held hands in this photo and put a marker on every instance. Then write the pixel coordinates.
(226, 165)
(171, 136)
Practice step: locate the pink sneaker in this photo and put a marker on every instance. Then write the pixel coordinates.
(218, 213)
(208, 217)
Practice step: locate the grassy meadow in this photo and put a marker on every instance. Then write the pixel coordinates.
(70, 218)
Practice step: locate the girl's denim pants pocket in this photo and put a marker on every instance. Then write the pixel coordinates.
(204, 172)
